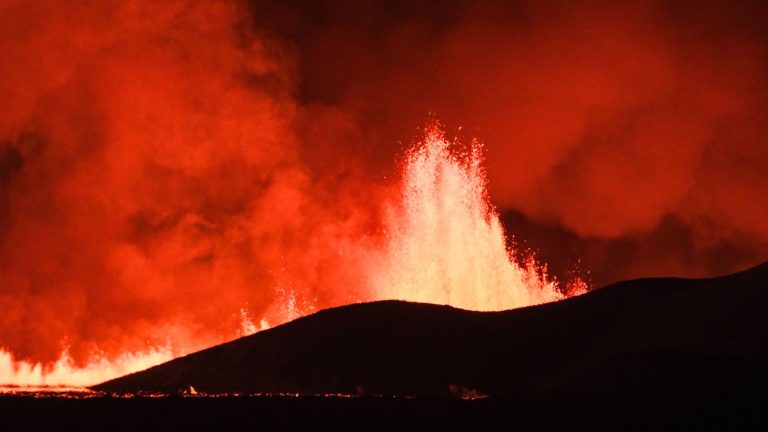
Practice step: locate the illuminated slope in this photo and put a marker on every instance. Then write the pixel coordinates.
(652, 335)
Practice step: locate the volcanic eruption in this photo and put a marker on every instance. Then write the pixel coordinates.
(178, 174)
(445, 244)
(442, 243)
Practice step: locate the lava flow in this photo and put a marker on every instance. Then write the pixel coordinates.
(65, 373)
(446, 244)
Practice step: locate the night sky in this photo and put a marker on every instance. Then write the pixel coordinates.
(164, 165)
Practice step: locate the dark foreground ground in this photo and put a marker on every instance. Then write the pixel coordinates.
(720, 412)
(634, 340)
(649, 354)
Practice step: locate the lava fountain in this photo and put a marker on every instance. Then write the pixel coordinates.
(445, 242)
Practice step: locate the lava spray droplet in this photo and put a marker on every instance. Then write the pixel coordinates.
(445, 242)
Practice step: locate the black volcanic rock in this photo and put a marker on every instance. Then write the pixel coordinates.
(642, 337)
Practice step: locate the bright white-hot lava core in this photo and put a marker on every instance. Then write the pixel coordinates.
(446, 244)
(443, 244)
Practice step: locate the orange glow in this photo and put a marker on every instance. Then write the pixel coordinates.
(65, 373)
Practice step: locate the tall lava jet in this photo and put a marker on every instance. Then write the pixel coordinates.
(444, 241)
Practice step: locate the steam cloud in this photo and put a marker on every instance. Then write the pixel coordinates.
(165, 164)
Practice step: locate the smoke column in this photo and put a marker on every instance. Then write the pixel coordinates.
(151, 183)
(628, 137)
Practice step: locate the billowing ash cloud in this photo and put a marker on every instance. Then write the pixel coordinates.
(630, 135)
(150, 178)
(165, 164)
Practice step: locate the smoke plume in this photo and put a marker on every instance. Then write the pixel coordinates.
(151, 179)
(625, 138)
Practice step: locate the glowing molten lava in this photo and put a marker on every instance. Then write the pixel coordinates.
(64, 373)
(446, 244)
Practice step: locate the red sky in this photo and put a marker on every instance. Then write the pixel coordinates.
(164, 164)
